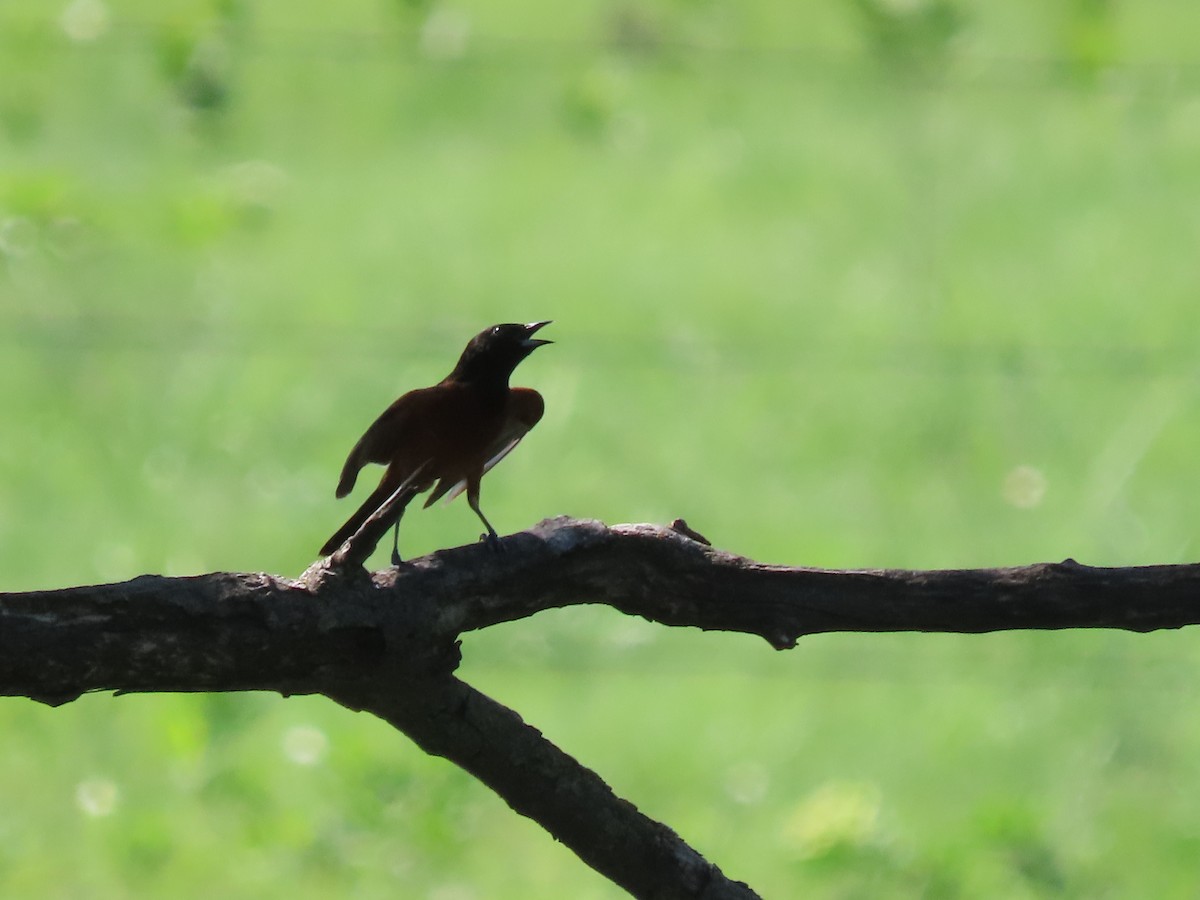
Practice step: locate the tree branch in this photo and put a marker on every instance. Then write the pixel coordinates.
(387, 643)
(663, 575)
(449, 718)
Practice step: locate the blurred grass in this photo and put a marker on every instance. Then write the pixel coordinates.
(870, 284)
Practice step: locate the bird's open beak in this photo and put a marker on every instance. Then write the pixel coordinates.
(530, 341)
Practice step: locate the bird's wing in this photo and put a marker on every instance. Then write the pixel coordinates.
(525, 408)
(454, 490)
(379, 441)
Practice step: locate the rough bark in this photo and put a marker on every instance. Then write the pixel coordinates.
(387, 643)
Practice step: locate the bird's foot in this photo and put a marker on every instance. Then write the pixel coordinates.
(396, 560)
(492, 540)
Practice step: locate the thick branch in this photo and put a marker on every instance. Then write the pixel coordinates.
(387, 643)
(663, 575)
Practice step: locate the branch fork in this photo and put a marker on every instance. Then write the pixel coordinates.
(387, 643)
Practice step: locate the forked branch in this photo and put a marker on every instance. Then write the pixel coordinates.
(387, 643)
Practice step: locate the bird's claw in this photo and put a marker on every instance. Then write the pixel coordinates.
(492, 540)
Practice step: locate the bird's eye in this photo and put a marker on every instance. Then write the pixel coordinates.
(496, 330)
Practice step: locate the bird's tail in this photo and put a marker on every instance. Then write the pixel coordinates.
(386, 488)
(391, 483)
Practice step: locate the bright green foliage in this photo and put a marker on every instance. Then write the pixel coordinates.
(881, 283)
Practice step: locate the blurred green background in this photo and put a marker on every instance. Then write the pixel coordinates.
(871, 283)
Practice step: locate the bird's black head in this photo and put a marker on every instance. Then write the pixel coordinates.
(492, 354)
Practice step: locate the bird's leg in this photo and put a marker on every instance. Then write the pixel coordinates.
(491, 537)
(396, 560)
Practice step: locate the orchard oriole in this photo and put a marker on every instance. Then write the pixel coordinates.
(447, 436)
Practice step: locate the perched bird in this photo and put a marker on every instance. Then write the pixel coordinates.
(447, 436)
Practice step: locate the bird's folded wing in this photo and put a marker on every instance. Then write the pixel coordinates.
(461, 485)
(525, 407)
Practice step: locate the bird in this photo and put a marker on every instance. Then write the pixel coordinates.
(445, 437)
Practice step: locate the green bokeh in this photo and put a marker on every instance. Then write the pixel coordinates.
(866, 284)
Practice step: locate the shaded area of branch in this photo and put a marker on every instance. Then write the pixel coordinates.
(387, 643)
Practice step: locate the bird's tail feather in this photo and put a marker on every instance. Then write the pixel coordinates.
(386, 488)
(406, 488)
